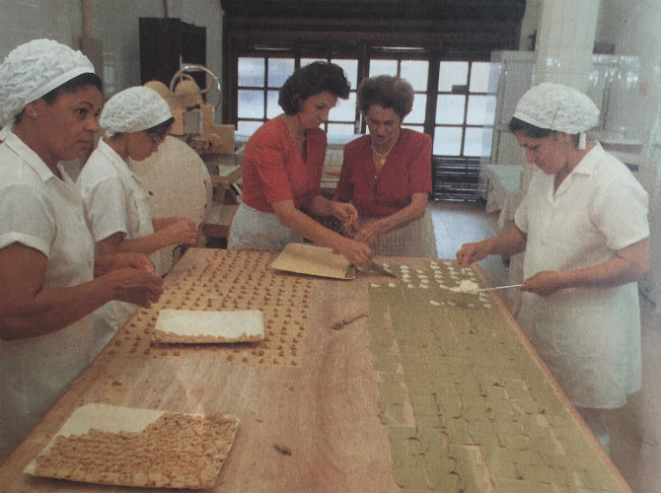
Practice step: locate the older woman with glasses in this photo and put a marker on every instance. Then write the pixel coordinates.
(50, 98)
(135, 121)
(386, 175)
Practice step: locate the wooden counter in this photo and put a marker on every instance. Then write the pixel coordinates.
(328, 394)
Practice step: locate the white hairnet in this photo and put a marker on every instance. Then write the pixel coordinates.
(33, 69)
(557, 107)
(133, 110)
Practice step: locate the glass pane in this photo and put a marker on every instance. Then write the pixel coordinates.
(415, 72)
(478, 142)
(279, 70)
(247, 128)
(417, 114)
(481, 110)
(383, 67)
(345, 109)
(452, 73)
(480, 77)
(447, 141)
(251, 104)
(340, 129)
(251, 72)
(273, 109)
(350, 68)
(450, 109)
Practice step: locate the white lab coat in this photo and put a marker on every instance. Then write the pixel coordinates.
(39, 210)
(115, 202)
(589, 337)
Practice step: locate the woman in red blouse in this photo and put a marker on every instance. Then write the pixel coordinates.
(282, 167)
(386, 175)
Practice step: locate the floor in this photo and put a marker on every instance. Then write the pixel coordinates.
(636, 427)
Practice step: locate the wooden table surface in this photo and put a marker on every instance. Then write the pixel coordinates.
(311, 388)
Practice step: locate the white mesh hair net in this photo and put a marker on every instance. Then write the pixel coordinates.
(133, 110)
(32, 70)
(557, 107)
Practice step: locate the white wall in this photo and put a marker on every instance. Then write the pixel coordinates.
(114, 24)
(23, 20)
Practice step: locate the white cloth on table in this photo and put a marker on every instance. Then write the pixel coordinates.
(115, 202)
(255, 230)
(589, 337)
(42, 212)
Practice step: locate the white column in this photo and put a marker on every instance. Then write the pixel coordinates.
(565, 40)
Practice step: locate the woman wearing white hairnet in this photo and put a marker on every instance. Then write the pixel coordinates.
(583, 226)
(135, 120)
(47, 262)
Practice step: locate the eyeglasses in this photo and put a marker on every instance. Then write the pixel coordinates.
(157, 139)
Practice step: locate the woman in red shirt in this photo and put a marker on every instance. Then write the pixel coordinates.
(282, 167)
(386, 175)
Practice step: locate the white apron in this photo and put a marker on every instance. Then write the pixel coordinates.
(589, 337)
(255, 230)
(416, 239)
(35, 371)
(106, 217)
(113, 315)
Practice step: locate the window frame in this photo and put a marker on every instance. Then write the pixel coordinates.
(364, 57)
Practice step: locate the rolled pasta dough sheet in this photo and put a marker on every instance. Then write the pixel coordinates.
(196, 326)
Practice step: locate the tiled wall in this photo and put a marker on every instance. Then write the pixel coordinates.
(566, 34)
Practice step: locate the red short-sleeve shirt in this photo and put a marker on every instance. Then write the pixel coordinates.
(274, 170)
(407, 171)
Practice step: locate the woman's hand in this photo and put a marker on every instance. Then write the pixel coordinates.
(134, 286)
(344, 212)
(545, 283)
(181, 231)
(358, 253)
(106, 263)
(473, 252)
(368, 233)
(351, 228)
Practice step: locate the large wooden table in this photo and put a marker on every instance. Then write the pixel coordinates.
(398, 400)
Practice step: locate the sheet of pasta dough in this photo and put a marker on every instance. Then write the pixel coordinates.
(197, 326)
(303, 258)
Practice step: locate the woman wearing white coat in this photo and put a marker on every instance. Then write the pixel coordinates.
(51, 95)
(135, 121)
(583, 226)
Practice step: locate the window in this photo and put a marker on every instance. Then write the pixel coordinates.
(260, 78)
(411, 39)
(465, 110)
(464, 107)
(416, 72)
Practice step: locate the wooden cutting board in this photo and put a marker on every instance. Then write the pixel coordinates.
(123, 446)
